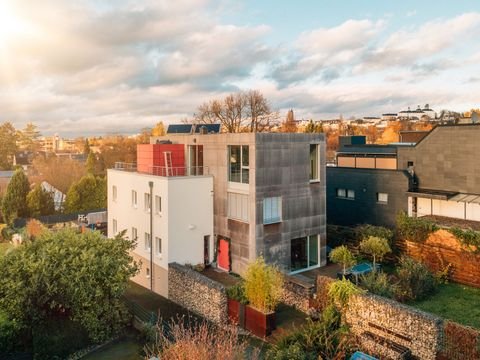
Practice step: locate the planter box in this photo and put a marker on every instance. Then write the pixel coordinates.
(236, 313)
(259, 323)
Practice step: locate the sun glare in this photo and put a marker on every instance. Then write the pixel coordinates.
(10, 25)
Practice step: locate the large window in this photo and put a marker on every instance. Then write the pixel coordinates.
(134, 233)
(314, 162)
(237, 206)
(272, 210)
(238, 163)
(304, 253)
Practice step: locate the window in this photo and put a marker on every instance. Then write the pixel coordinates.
(237, 206)
(409, 163)
(351, 194)
(134, 198)
(134, 233)
(272, 210)
(346, 193)
(238, 162)
(158, 204)
(158, 245)
(314, 162)
(147, 202)
(114, 193)
(147, 271)
(114, 226)
(148, 242)
(304, 252)
(382, 198)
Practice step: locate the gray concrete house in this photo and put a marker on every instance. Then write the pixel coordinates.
(269, 196)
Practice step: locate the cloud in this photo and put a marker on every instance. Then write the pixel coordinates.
(406, 47)
(89, 67)
(323, 52)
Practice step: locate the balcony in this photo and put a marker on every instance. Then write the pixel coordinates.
(163, 170)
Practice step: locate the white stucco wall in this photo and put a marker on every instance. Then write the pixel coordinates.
(453, 209)
(186, 216)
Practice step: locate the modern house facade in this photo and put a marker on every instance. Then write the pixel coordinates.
(438, 175)
(269, 196)
(222, 198)
(169, 214)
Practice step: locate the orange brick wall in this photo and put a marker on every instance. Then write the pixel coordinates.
(442, 248)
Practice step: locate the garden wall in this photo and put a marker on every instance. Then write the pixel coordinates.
(376, 321)
(197, 293)
(321, 297)
(442, 248)
(298, 294)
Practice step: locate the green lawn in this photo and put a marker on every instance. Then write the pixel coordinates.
(127, 348)
(156, 303)
(455, 302)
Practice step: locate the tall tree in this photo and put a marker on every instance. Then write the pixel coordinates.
(69, 278)
(86, 147)
(91, 163)
(289, 125)
(29, 137)
(40, 202)
(261, 116)
(144, 136)
(57, 171)
(14, 202)
(158, 129)
(118, 148)
(238, 112)
(8, 145)
(87, 194)
(313, 127)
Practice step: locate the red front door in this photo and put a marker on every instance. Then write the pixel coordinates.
(223, 258)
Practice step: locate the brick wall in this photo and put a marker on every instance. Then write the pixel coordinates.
(442, 248)
(197, 293)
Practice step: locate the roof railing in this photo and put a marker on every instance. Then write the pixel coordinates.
(165, 171)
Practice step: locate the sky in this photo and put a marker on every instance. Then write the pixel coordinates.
(88, 67)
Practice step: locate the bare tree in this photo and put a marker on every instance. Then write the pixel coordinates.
(238, 112)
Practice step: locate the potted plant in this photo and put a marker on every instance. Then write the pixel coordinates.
(236, 304)
(263, 289)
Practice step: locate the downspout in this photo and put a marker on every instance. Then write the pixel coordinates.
(150, 185)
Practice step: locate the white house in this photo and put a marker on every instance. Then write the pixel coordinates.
(170, 216)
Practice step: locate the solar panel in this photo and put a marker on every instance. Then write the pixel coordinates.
(210, 128)
(179, 129)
